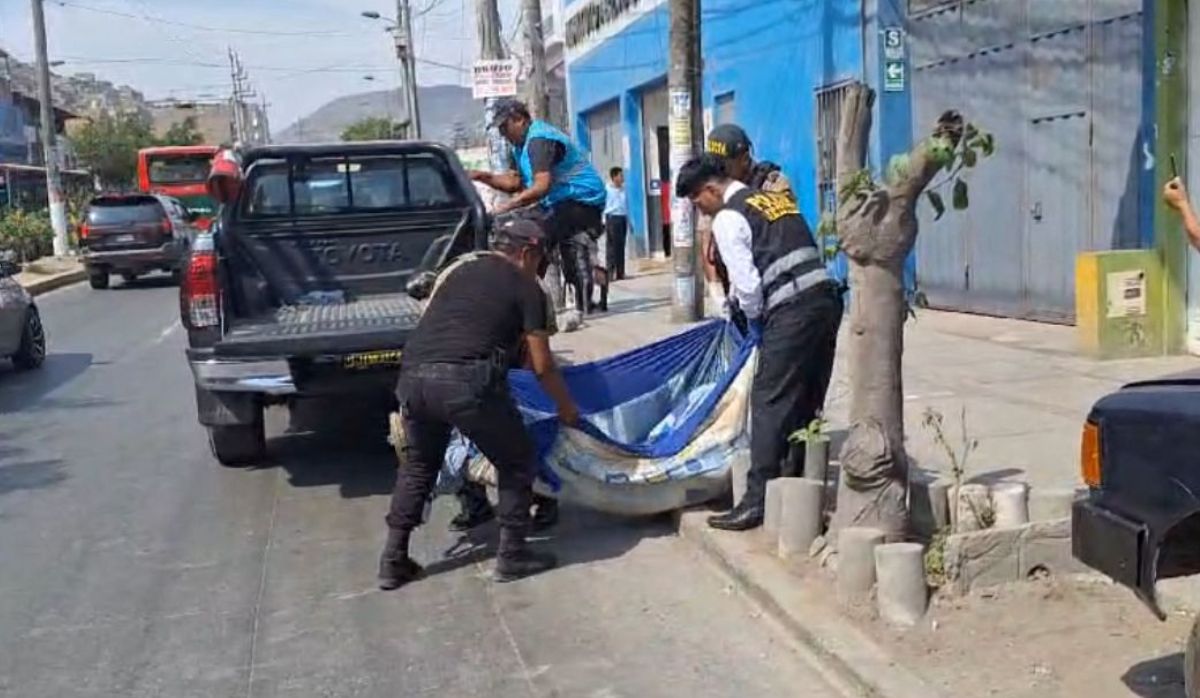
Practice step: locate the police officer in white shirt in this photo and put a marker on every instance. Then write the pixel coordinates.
(778, 282)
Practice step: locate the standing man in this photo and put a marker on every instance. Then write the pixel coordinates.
(730, 142)
(778, 282)
(455, 376)
(616, 224)
(547, 169)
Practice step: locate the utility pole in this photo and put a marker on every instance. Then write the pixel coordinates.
(686, 125)
(405, 51)
(239, 123)
(54, 192)
(487, 25)
(539, 100)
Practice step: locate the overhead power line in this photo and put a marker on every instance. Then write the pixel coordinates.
(197, 27)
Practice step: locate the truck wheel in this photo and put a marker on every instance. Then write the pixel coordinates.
(98, 280)
(32, 351)
(241, 444)
(1191, 662)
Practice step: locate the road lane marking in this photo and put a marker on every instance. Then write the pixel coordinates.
(167, 332)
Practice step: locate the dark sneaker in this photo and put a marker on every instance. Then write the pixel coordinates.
(471, 518)
(395, 572)
(522, 563)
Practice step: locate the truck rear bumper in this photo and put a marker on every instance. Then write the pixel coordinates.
(167, 256)
(1116, 545)
(264, 376)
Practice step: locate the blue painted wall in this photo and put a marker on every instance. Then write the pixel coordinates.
(772, 54)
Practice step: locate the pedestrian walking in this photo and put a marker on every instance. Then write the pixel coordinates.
(779, 285)
(545, 168)
(454, 375)
(616, 224)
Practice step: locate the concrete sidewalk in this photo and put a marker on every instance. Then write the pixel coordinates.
(50, 273)
(1025, 388)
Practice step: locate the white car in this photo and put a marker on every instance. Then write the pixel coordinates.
(22, 337)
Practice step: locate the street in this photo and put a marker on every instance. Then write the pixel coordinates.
(131, 564)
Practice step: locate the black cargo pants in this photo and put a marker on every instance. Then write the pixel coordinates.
(795, 362)
(436, 398)
(568, 225)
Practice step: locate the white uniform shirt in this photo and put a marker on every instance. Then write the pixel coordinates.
(734, 239)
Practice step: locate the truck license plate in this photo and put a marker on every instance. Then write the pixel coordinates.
(123, 239)
(372, 359)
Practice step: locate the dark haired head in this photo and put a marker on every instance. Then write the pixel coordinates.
(699, 171)
(613, 172)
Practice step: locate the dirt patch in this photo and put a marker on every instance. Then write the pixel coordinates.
(1045, 639)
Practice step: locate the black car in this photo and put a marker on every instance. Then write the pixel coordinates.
(134, 234)
(22, 337)
(1140, 521)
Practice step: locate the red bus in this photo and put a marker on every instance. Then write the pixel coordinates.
(179, 172)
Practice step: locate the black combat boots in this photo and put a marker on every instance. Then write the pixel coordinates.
(396, 568)
(515, 560)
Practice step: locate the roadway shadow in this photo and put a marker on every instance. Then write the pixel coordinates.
(22, 391)
(145, 282)
(1157, 678)
(334, 442)
(580, 537)
(630, 305)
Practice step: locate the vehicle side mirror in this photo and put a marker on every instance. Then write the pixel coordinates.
(9, 268)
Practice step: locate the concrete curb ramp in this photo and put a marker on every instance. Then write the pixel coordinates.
(50, 282)
(845, 657)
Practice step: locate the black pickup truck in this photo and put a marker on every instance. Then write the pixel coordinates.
(299, 288)
(1140, 521)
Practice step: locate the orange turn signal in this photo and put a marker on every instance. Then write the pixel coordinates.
(1089, 455)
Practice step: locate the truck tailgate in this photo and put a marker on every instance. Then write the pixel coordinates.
(364, 324)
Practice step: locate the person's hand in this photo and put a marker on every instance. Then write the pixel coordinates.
(476, 175)
(568, 414)
(1175, 194)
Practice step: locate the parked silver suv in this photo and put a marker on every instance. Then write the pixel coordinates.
(22, 337)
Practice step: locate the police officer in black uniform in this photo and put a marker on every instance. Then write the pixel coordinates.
(454, 376)
(778, 282)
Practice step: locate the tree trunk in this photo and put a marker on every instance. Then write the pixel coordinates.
(877, 227)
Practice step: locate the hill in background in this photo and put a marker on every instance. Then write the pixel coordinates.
(442, 107)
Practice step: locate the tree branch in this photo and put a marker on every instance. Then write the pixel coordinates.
(853, 133)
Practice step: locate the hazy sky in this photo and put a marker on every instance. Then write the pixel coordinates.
(299, 53)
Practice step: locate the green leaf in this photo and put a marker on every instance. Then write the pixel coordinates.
(940, 150)
(939, 206)
(970, 131)
(969, 157)
(987, 144)
(961, 201)
(898, 168)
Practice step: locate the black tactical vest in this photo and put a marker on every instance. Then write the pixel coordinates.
(784, 253)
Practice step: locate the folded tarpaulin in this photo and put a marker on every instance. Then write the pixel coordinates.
(661, 424)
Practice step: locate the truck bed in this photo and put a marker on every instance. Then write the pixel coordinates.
(364, 324)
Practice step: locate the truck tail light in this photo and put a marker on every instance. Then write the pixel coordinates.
(1089, 455)
(164, 227)
(201, 292)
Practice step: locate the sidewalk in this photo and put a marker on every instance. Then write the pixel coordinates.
(50, 273)
(1025, 389)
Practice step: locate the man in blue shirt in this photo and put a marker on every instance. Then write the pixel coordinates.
(546, 168)
(616, 224)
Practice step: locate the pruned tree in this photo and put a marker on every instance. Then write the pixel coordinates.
(374, 129)
(876, 227)
(183, 133)
(108, 146)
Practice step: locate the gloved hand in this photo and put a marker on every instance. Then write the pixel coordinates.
(755, 330)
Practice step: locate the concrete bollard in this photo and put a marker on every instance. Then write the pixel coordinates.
(856, 564)
(1010, 501)
(738, 468)
(902, 593)
(1050, 504)
(929, 506)
(974, 501)
(773, 509)
(816, 459)
(800, 515)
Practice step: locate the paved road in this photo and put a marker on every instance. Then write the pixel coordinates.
(132, 565)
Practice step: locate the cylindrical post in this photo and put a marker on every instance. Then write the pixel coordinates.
(407, 57)
(901, 592)
(685, 128)
(539, 101)
(970, 507)
(1010, 501)
(816, 458)
(856, 563)
(773, 508)
(54, 192)
(800, 514)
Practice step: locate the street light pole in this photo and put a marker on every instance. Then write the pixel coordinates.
(54, 192)
(406, 51)
(685, 124)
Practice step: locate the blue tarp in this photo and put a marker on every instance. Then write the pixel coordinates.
(661, 424)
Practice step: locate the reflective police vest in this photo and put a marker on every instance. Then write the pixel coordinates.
(784, 253)
(573, 179)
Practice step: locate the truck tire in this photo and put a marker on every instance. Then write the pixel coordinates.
(32, 352)
(98, 280)
(238, 445)
(1191, 662)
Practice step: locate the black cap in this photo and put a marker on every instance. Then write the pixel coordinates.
(507, 107)
(522, 231)
(728, 141)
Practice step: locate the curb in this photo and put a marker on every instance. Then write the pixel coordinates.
(845, 656)
(54, 282)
